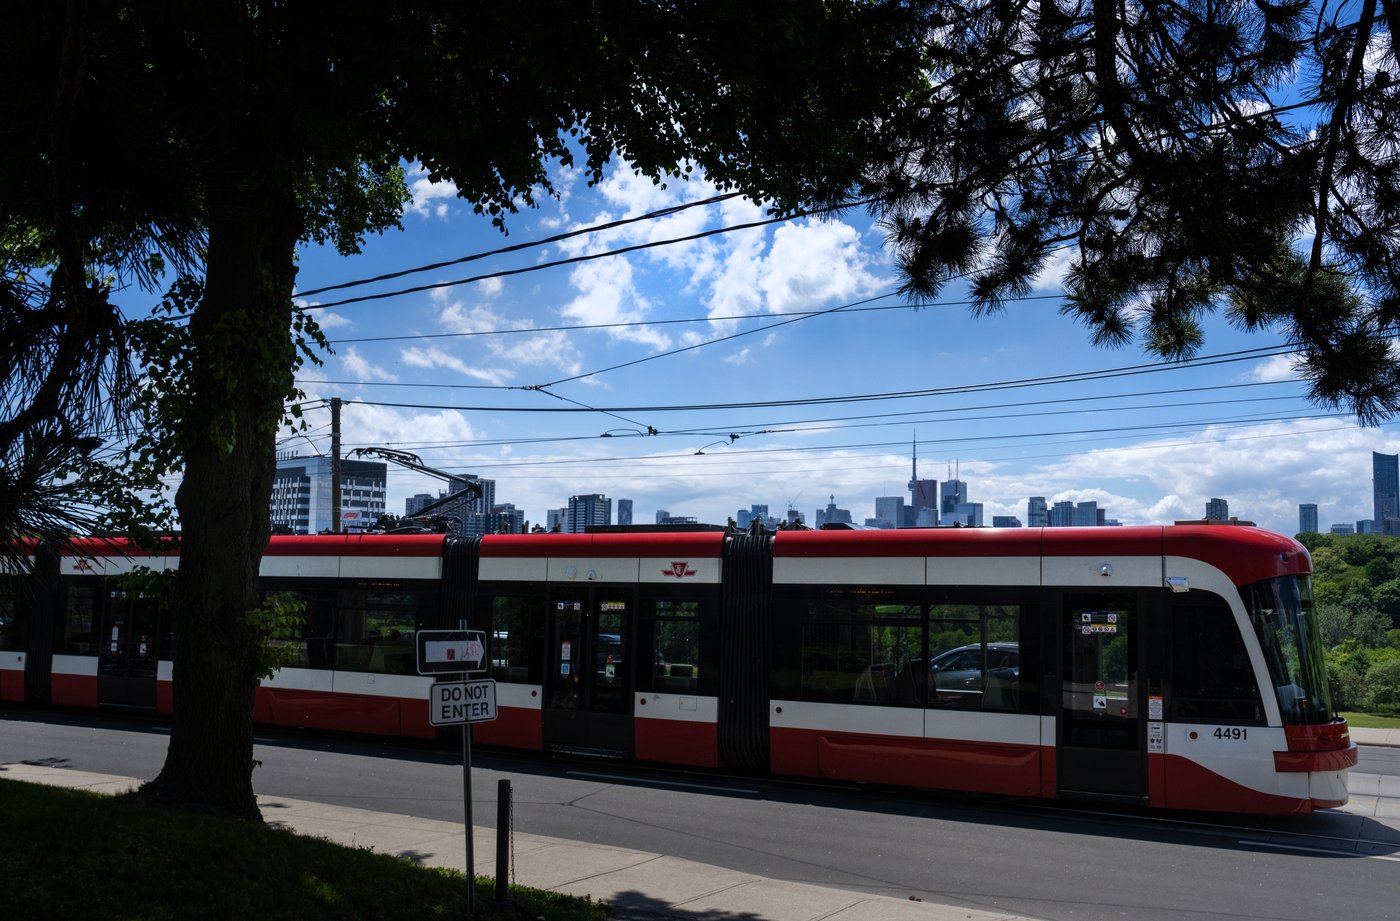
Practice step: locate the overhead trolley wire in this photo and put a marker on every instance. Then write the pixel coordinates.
(587, 257)
(517, 247)
(1014, 384)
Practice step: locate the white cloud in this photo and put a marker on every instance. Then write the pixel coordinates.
(1277, 368)
(608, 295)
(816, 263)
(429, 199)
(358, 368)
(431, 357)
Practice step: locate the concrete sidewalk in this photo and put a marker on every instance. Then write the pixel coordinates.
(639, 885)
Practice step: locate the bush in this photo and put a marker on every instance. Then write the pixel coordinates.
(1383, 680)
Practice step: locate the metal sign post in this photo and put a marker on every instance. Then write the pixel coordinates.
(463, 702)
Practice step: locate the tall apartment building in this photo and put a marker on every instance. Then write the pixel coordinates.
(624, 511)
(1307, 518)
(588, 510)
(301, 494)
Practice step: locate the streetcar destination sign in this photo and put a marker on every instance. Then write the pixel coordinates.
(451, 651)
(450, 703)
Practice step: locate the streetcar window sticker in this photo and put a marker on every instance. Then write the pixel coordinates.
(563, 668)
(1098, 622)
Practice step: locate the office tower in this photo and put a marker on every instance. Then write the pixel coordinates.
(953, 493)
(1217, 510)
(1307, 518)
(301, 494)
(1342, 529)
(1087, 515)
(588, 510)
(1385, 487)
(624, 511)
(1005, 521)
(1037, 513)
(1061, 515)
(889, 511)
(554, 519)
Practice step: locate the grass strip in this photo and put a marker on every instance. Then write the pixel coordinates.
(77, 855)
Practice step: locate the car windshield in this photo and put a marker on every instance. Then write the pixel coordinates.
(1281, 611)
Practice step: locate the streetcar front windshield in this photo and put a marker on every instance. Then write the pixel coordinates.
(1282, 613)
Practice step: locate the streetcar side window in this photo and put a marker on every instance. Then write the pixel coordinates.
(1212, 680)
(974, 657)
(677, 663)
(14, 613)
(376, 629)
(853, 651)
(517, 638)
(81, 621)
(311, 643)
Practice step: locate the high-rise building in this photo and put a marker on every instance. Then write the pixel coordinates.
(555, 518)
(745, 518)
(1342, 529)
(1385, 487)
(952, 494)
(1364, 526)
(1088, 515)
(889, 511)
(624, 511)
(512, 519)
(1217, 510)
(1307, 518)
(586, 511)
(1037, 513)
(923, 494)
(1005, 521)
(1061, 515)
(833, 515)
(968, 514)
(301, 494)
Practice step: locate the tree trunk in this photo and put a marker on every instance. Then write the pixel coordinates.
(241, 373)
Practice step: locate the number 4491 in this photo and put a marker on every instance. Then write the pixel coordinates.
(1233, 733)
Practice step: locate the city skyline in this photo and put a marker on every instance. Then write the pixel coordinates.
(777, 365)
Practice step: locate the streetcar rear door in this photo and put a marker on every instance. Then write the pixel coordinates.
(128, 651)
(588, 681)
(1101, 740)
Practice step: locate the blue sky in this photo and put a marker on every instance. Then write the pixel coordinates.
(432, 372)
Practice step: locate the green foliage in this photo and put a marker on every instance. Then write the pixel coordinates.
(1383, 681)
(1346, 673)
(279, 622)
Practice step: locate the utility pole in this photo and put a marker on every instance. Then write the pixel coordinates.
(335, 465)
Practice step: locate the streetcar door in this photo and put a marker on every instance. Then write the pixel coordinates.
(588, 687)
(1100, 752)
(128, 651)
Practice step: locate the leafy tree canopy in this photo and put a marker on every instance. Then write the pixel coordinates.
(1201, 156)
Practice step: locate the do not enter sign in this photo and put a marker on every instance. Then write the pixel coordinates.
(450, 703)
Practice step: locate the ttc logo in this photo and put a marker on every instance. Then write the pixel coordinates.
(679, 570)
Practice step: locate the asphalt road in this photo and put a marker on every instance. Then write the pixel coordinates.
(1043, 861)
